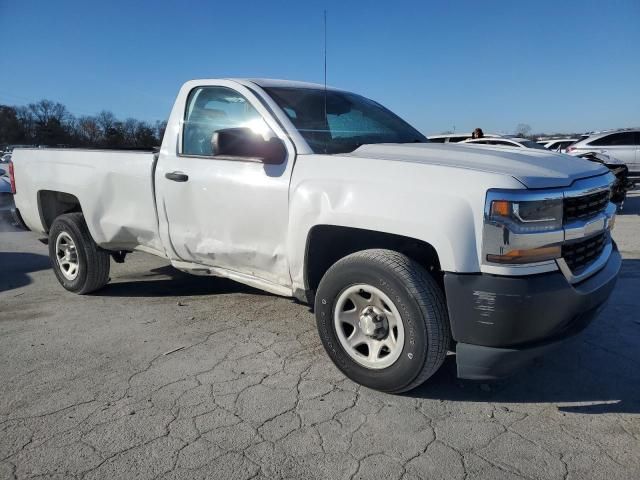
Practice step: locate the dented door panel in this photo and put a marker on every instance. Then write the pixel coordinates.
(230, 214)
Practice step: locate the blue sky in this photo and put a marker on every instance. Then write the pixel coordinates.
(555, 65)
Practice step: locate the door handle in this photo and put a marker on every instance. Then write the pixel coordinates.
(176, 176)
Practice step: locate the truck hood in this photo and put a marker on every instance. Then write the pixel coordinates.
(532, 168)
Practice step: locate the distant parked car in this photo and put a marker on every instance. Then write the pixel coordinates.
(9, 148)
(622, 184)
(455, 137)
(516, 142)
(6, 197)
(621, 144)
(557, 144)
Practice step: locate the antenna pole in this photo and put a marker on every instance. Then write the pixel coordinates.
(325, 78)
(325, 49)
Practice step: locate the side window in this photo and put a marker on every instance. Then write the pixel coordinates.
(622, 138)
(210, 109)
(437, 140)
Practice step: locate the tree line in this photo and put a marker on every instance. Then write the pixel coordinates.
(49, 123)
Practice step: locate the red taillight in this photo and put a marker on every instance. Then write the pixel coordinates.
(12, 178)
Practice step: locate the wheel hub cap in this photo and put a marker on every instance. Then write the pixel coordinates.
(373, 323)
(368, 326)
(67, 256)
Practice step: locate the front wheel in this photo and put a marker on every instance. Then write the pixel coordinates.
(79, 264)
(383, 320)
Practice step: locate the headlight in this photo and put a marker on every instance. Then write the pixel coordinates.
(520, 228)
(527, 216)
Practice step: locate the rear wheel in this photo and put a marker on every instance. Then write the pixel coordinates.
(383, 320)
(78, 263)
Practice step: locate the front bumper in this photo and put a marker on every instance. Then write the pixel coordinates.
(501, 323)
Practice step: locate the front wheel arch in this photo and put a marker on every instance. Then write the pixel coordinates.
(327, 244)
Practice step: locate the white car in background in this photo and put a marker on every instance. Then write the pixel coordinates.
(454, 137)
(623, 144)
(557, 144)
(514, 142)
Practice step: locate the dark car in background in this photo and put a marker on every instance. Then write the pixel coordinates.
(6, 197)
(622, 184)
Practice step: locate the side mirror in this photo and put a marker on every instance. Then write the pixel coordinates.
(245, 143)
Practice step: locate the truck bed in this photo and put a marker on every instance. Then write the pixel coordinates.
(114, 189)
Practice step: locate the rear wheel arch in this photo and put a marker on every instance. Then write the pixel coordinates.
(52, 204)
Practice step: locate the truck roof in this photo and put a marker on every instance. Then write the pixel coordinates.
(274, 82)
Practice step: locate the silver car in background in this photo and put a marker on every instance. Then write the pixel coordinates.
(516, 142)
(622, 144)
(454, 137)
(557, 144)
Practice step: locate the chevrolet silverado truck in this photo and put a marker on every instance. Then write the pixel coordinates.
(406, 249)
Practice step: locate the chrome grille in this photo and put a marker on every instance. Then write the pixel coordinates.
(579, 254)
(585, 206)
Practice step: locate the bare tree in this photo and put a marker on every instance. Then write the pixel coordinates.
(46, 111)
(523, 130)
(50, 123)
(160, 127)
(105, 120)
(26, 119)
(89, 131)
(129, 129)
(11, 128)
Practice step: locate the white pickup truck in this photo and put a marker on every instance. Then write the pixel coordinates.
(407, 249)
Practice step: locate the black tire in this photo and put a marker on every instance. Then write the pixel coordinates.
(93, 262)
(418, 299)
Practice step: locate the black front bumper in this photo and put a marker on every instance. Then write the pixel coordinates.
(501, 323)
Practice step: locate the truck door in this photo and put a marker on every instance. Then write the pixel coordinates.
(223, 212)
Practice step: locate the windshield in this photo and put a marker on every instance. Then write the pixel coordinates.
(346, 122)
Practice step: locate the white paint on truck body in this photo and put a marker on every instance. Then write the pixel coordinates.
(250, 221)
(114, 188)
(402, 198)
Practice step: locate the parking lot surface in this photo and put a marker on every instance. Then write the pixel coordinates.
(163, 375)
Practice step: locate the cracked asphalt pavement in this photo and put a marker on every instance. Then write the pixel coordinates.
(166, 376)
